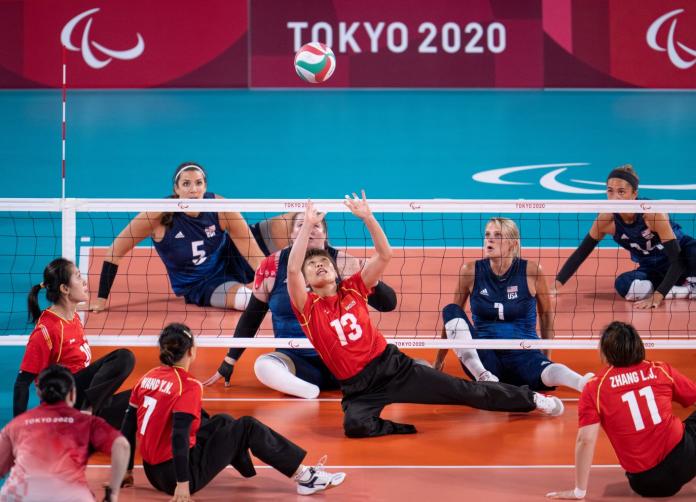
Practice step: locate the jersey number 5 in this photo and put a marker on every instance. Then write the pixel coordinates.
(347, 320)
(198, 254)
(630, 398)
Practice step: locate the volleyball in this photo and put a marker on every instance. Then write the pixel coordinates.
(315, 62)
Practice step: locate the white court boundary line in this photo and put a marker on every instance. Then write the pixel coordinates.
(467, 467)
(300, 400)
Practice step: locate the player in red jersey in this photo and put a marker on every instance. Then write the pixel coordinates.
(183, 449)
(632, 400)
(373, 374)
(58, 338)
(46, 449)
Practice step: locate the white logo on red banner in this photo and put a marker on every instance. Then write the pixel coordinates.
(671, 48)
(87, 44)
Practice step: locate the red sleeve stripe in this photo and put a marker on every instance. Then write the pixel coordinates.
(60, 349)
(599, 387)
(47, 337)
(181, 384)
(659, 366)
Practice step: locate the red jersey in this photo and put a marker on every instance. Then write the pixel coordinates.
(160, 393)
(634, 406)
(56, 341)
(46, 451)
(340, 328)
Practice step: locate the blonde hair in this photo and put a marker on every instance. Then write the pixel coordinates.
(510, 232)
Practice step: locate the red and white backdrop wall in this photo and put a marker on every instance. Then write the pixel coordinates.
(389, 43)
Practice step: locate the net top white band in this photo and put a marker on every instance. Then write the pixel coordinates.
(336, 205)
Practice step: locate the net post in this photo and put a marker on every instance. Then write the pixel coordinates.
(68, 229)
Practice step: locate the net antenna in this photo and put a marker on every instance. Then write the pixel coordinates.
(63, 124)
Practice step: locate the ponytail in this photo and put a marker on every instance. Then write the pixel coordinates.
(33, 303)
(55, 274)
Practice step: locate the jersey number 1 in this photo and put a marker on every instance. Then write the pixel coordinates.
(350, 321)
(630, 398)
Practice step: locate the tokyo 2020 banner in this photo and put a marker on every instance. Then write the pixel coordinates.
(387, 43)
(395, 43)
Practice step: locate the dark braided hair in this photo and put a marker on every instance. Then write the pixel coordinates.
(175, 340)
(54, 384)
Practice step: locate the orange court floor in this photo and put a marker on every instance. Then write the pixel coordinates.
(458, 453)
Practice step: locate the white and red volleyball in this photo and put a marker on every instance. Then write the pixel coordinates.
(315, 62)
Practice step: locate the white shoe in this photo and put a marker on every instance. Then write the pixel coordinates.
(586, 378)
(487, 376)
(315, 479)
(691, 282)
(548, 405)
(678, 292)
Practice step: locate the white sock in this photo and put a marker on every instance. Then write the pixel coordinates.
(556, 374)
(273, 372)
(678, 292)
(639, 289)
(241, 298)
(457, 329)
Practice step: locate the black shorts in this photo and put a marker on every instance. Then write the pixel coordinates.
(677, 468)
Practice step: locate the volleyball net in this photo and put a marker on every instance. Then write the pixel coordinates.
(431, 240)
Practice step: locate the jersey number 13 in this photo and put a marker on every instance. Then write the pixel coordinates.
(350, 322)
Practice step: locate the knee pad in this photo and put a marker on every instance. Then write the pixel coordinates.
(635, 290)
(277, 371)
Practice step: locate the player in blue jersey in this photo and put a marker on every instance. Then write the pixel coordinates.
(210, 257)
(505, 293)
(666, 256)
(297, 372)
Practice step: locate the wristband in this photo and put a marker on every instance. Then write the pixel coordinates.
(106, 278)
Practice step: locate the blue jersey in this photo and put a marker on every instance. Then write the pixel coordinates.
(285, 323)
(194, 250)
(502, 307)
(644, 245)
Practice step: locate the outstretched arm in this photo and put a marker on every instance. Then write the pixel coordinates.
(545, 305)
(659, 222)
(296, 283)
(375, 265)
(142, 226)
(240, 233)
(599, 229)
(584, 451)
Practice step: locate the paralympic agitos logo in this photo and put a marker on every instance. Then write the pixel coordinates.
(550, 181)
(672, 47)
(88, 47)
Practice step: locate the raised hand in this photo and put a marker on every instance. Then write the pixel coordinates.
(312, 216)
(358, 206)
